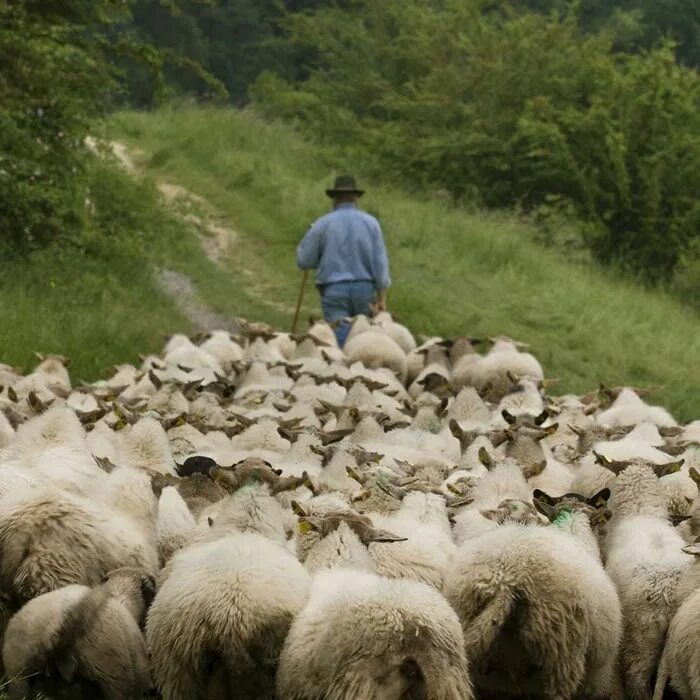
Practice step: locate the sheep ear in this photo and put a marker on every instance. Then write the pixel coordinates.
(485, 458)
(694, 548)
(600, 500)
(549, 430)
(508, 417)
(148, 590)
(154, 379)
(492, 514)
(485, 390)
(355, 475)
(298, 509)
(542, 417)
(600, 517)
(539, 495)
(534, 469)
(384, 536)
(545, 508)
(669, 468)
(307, 524)
(158, 483)
(105, 464)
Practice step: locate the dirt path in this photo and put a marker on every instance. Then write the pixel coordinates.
(183, 292)
(217, 241)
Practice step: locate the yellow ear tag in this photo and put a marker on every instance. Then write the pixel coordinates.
(305, 527)
(119, 425)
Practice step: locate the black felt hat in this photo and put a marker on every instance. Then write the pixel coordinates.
(345, 184)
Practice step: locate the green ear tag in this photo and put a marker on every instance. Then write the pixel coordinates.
(563, 519)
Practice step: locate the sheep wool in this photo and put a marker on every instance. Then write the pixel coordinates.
(540, 616)
(361, 636)
(199, 648)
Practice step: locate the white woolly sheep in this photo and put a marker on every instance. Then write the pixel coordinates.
(88, 638)
(540, 616)
(218, 622)
(361, 636)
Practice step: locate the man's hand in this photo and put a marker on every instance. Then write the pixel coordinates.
(379, 304)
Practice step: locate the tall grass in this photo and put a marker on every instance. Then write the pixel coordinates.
(454, 271)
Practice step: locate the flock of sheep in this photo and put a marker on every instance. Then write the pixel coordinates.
(269, 516)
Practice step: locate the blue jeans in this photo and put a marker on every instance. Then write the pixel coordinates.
(346, 299)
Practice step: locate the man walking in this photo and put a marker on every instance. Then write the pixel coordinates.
(346, 247)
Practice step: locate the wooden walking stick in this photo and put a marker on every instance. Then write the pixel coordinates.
(304, 277)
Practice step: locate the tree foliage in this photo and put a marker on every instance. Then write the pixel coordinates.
(509, 108)
(235, 40)
(56, 79)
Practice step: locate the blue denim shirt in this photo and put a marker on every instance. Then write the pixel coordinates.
(345, 245)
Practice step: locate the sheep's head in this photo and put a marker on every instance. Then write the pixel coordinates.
(618, 466)
(256, 471)
(557, 507)
(525, 420)
(437, 384)
(513, 510)
(326, 523)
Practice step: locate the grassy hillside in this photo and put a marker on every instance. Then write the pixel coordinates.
(96, 299)
(453, 271)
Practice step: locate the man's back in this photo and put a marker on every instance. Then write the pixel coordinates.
(345, 245)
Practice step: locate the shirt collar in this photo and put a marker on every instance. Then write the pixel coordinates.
(346, 205)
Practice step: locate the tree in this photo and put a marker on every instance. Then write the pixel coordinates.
(56, 80)
(510, 109)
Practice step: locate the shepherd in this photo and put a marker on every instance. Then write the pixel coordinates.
(346, 247)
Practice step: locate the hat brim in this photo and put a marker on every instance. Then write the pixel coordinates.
(334, 192)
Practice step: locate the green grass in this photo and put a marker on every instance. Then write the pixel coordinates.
(453, 271)
(96, 300)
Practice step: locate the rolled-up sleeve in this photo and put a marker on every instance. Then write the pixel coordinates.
(380, 260)
(310, 248)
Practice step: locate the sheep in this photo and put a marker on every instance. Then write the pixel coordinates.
(387, 324)
(540, 617)
(218, 622)
(58, 427)
(679, 662)
(424, 556)
(362, 636)
(145, 446)
(376, 350)
(496, 371)
(645, 561)
(224, 349)
(389, 469)
(85, 637)
(629, 409)
(49, 379)
(51, 539)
